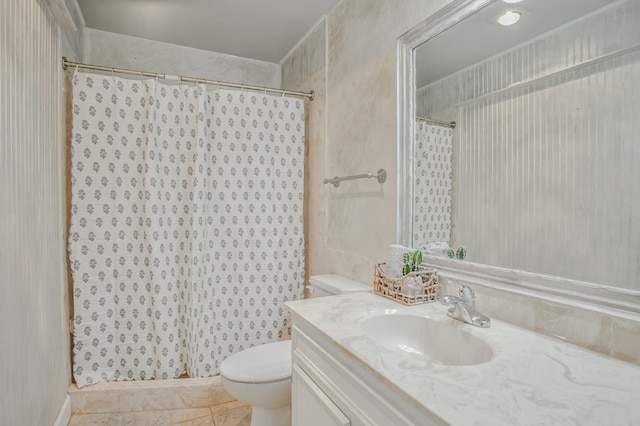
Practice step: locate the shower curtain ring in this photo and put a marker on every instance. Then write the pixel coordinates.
(75, 74)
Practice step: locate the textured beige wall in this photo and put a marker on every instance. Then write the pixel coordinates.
(35, 359)
(352, 129)
(122, 51)
(304, 69)
(362, 128)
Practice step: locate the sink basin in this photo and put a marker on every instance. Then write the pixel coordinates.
(433, 341)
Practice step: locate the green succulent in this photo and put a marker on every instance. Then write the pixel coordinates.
(412, 262)
(461, 253)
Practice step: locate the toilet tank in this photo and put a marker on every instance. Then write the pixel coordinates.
(331, 284)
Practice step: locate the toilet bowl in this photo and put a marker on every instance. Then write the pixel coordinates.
(261, 376)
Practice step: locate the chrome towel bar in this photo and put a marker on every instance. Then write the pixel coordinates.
(381, 176)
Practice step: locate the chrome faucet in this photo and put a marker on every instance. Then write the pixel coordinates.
(464, 308)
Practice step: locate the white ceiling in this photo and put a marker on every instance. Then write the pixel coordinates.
(259, 29)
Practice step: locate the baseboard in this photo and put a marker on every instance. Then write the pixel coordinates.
(64, 415)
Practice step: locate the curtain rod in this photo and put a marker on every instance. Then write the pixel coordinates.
(451, 124)
(68, 64)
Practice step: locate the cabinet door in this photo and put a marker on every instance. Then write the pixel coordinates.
(311, 406)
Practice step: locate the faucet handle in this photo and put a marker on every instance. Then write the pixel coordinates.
(467, 294)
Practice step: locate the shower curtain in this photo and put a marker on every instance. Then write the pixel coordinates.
(433, 176)
(186, 229)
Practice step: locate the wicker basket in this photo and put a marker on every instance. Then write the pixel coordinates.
(404, 289)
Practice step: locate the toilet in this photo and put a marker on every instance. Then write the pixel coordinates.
(261, 376)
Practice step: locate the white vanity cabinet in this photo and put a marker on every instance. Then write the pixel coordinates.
(331, 388)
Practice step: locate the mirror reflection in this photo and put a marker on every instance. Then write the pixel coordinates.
(526, 148)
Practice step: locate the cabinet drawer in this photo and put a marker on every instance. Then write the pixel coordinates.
(311, 405)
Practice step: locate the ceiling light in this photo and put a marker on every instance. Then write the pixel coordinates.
(512, 1)
(510, 17)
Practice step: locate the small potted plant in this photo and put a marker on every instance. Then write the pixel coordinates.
(412, 261)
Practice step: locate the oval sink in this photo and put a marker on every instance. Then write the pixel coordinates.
(434, 341)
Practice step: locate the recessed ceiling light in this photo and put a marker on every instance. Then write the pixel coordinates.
(510, 17)
(512, 1)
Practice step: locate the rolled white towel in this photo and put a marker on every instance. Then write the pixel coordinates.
(435, 249)
(395, 261)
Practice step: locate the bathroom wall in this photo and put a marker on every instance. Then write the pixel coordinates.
(34, 329)
(303, 68)
(352, 130)
(122, 51)
(306, 58)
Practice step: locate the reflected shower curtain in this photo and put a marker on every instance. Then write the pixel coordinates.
(186, 225)
(433, 176)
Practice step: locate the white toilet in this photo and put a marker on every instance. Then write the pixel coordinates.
(261, 376)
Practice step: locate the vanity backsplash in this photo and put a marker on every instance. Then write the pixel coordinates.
(589, 327)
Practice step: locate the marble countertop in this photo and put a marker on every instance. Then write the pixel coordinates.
(531, 379)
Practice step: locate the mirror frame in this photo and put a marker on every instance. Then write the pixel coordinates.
(611, 300)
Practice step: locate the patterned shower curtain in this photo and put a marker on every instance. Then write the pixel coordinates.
(186, 225)
(433, 175)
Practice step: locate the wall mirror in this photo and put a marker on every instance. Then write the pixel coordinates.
(521, 143)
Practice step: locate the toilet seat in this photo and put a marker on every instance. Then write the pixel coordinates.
(266, 363)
